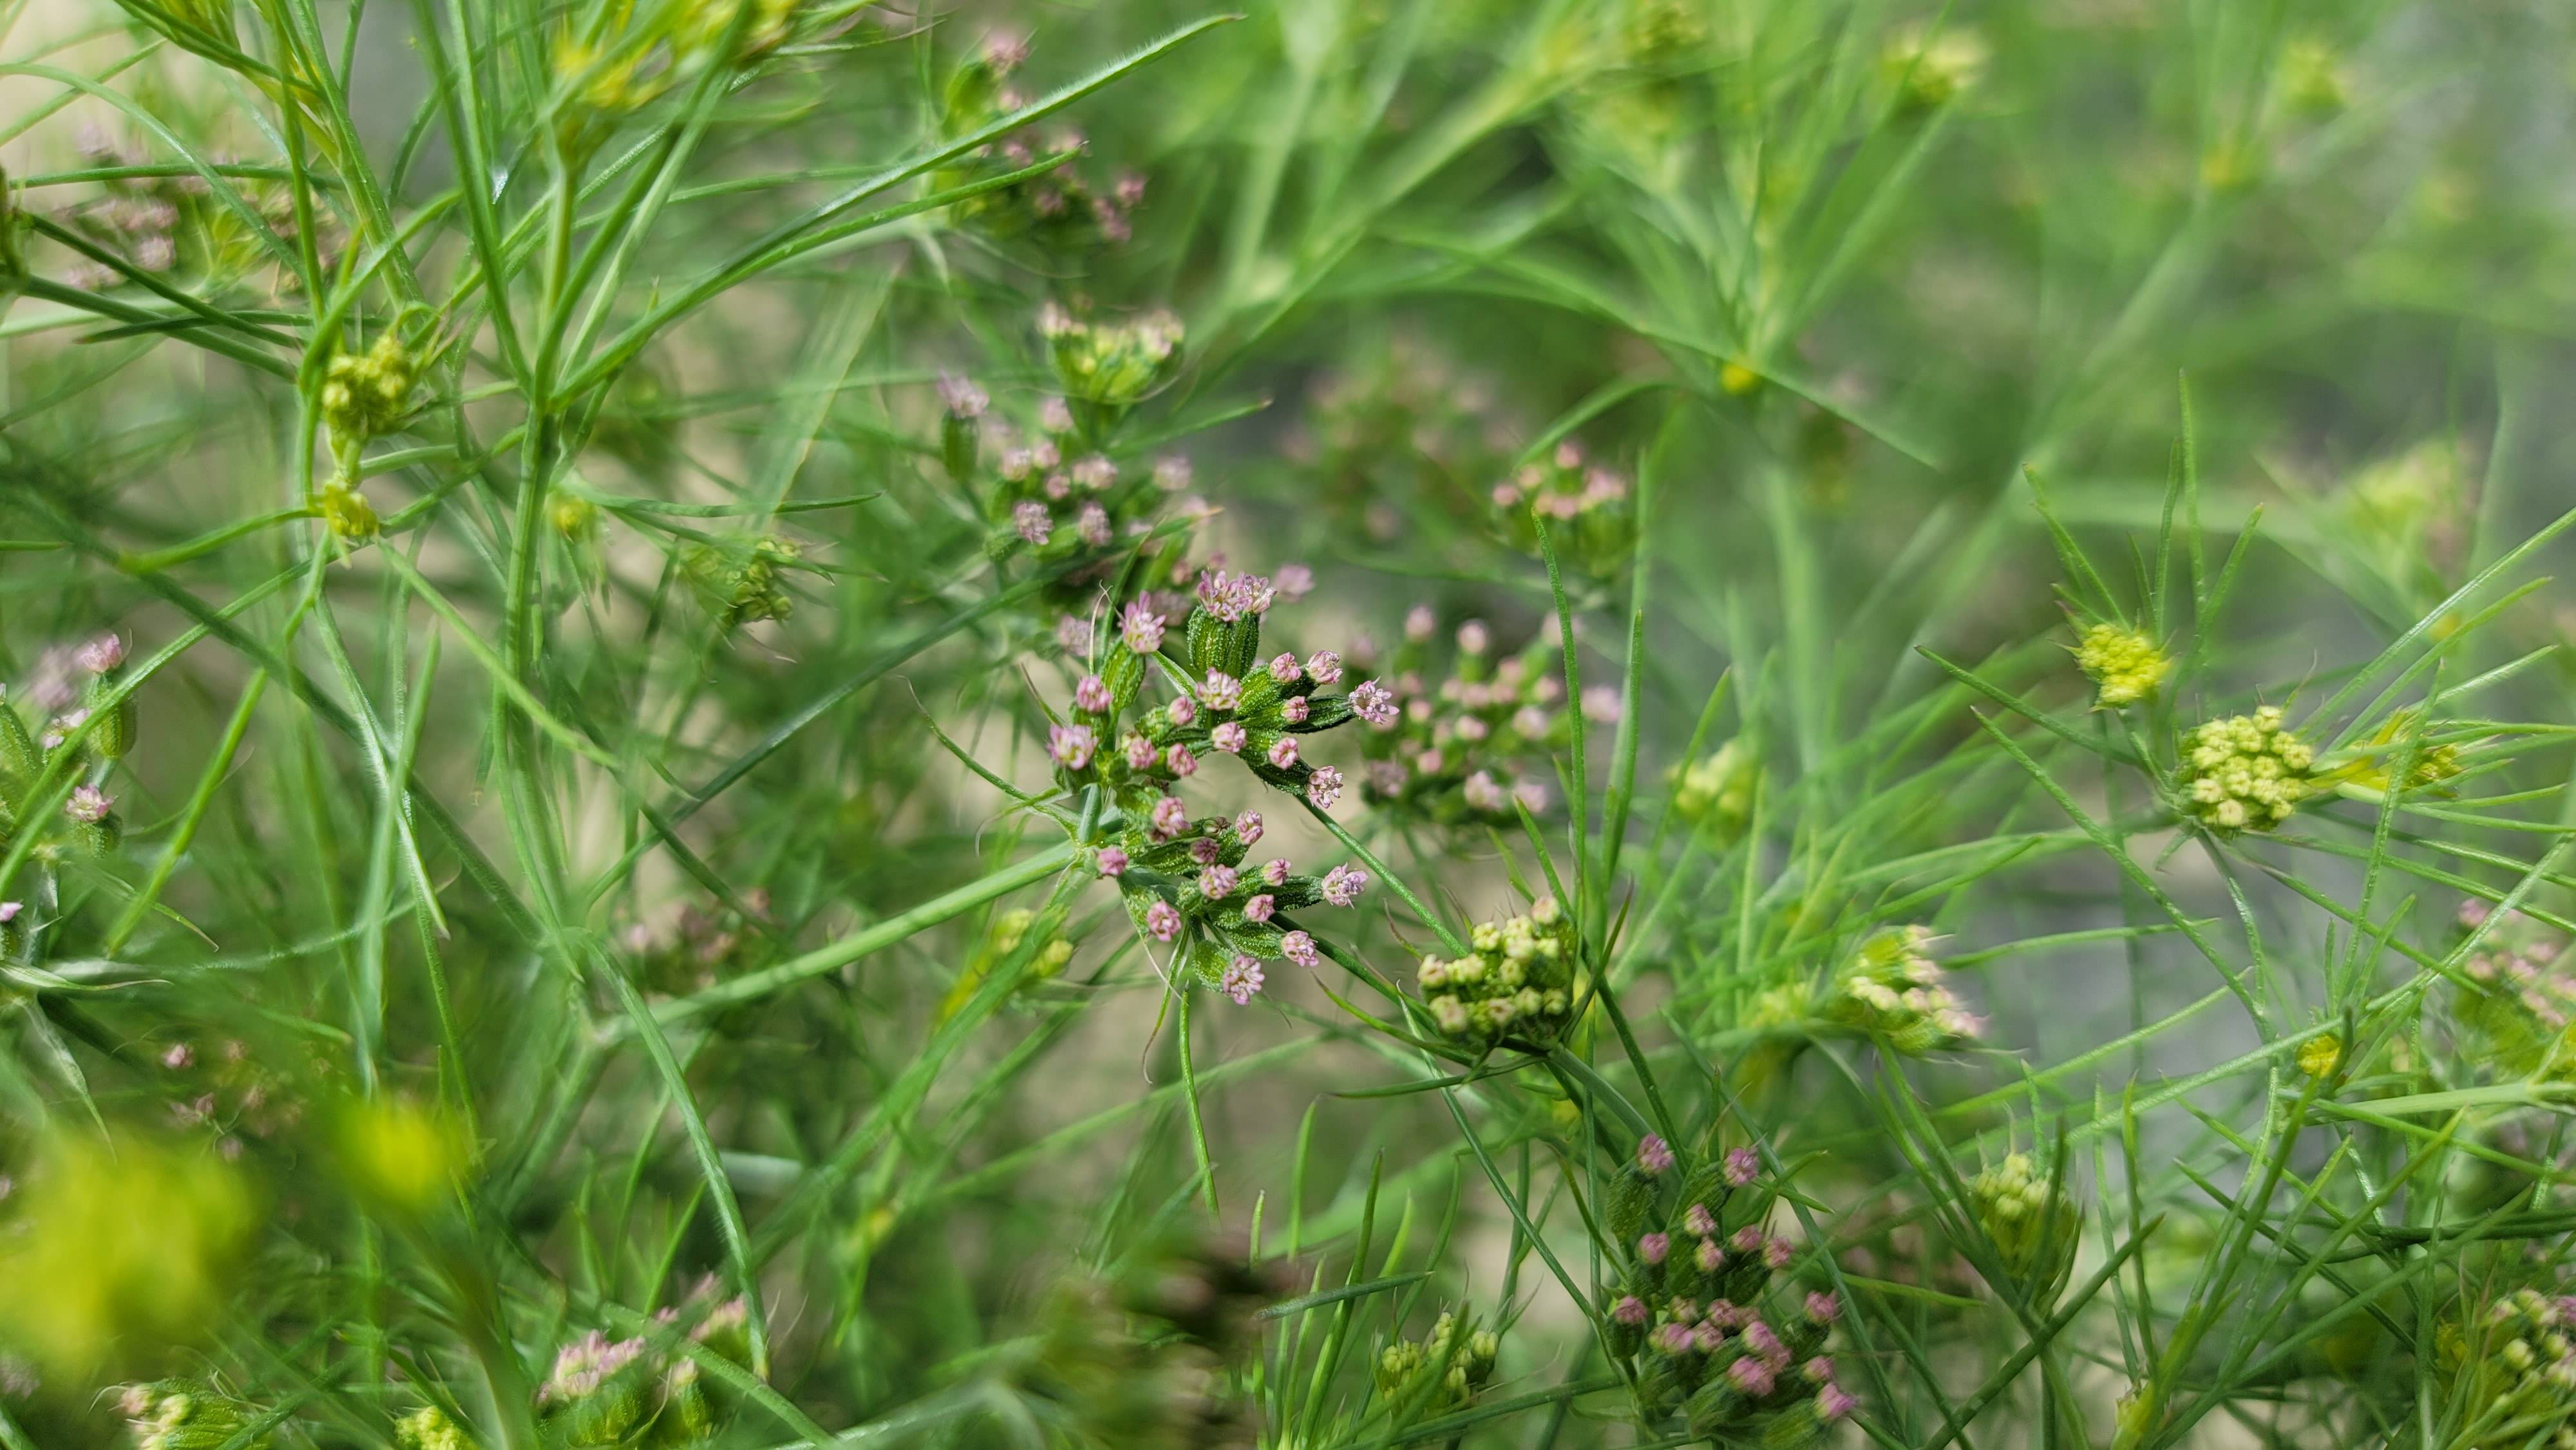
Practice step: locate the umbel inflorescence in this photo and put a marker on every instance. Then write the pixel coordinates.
(1190, 882)
(1519, 981)
(1708, 1311)
(2245, 772)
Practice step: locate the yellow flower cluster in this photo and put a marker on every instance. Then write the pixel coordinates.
(2245, 772)
(366, 394)
(2124, 663)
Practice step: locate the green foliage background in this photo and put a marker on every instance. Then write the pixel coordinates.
(562, 928)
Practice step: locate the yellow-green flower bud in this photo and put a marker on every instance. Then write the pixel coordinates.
(368, 394)
(347, 511)
(2125, 665)
(2245, 772)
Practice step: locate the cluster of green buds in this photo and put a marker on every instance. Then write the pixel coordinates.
(190, 1415)
(1708, 1313)
(2125, 665)
(1048, 953)
(1439, 1373)
(1061, 209)
(1715, 794)
(1107, 368)
(1520, 981)
(1397, 419)
(368, 394)
(743, 581)
(1891, 989)
(1472, 747)
(428, 1428)
(2513, 1373)
(1186, 882)
(364, 395)
(2245, 772)
(1585, 506)
(624, 1392)
(2031, 1220)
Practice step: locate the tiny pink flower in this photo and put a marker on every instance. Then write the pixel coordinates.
(1220, 691)
(1094, 472)
(178, 1056)
(1629, 1310)
(1343, 885)
(88, 805)
(1674, 1338)
(1709, 1256)
(1818, 1371)
(1140, 752)
(2474, 913)
(1170, 817)
(1299, 947)
(1430, 762)
(1055, 416)
(1748, 1239)
(1205, 850)
(1283, 751)
(1285, 669)
(101, 654)
(1295, 581)
(1073, 634)
(1247, 827)
(1374, 703)
(1759, 1338)
(1275, 872)
(1030, 517)
(1654, 1155)
(1179, 761)
(1092, 695)
(1725, 1314)
(1324, 666)
(1163, 920)
(1228, 737)
(1142, 627)
(1072, 745)
(1601, 704)
(961, 397)
(1113, 861)
(1091, 521)
(1833, 1402)
(1699, 1220)
(1171, 473)
(1741, 1166)
(1776, 1253)
(1653, 1247)
(1752, 1376)
(1242, 979)
(1707, 1338)
(1218, 882)
(9, 911)
(1823, 1308)
(1474, 638)
(1017, 464)
(1531, 795)
(1259, 908)
(1295, 709)
(1182, 711)
(1419, 622)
